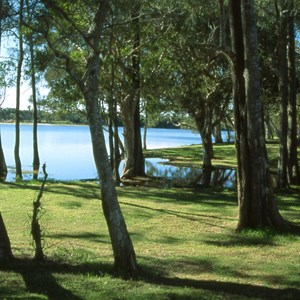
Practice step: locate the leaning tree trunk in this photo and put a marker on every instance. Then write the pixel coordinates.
(124, 255)
(18, 88)
(257, 207)
(293, 165)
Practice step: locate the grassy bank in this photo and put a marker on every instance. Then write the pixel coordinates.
(184, 240)
(224, 155)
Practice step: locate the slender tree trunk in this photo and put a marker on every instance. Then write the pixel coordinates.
(257, 207)
(111, 103)
(282, 174)
(36, 158)
(3, 167)
(117, 155)
(145, 129)
(18, 88)
(139, 163)
(128, 122)
(293, 165)
(124, 255)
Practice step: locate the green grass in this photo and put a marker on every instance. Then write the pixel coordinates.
(184, 239)
(224, 155)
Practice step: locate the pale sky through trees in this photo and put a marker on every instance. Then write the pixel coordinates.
(10, 99)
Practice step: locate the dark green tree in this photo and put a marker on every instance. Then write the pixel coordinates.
(257, 205)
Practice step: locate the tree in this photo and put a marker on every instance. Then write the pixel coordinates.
(201, 85)
(3, 166)
(36, 159)
(18, 92)
(282, 170)
(257, 206)
(293, 164)
(125, 53)
(88, 83)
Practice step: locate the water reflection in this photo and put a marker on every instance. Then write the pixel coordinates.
(190, 177)
(170, 175)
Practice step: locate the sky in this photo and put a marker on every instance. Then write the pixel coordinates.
(10, 99)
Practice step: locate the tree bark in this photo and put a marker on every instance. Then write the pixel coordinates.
(257, 207)
(203, 120)
(18, 88)
(282, 174)
(134, 162)
(36, 158)
(293, 165)
(3, 167)
(218, 133)
(124, 255)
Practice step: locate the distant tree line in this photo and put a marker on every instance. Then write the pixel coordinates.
(7, 115)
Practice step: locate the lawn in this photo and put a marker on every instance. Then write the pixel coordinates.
(224, 155)
(184, 239)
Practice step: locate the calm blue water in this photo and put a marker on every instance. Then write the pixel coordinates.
(67, 150)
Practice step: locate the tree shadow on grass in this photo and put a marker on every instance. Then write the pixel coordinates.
(78, 189)
(39, 279)
(45, 284)
(196, 217)
(230, 289)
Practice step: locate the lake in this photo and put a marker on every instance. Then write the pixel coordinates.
(67, 149)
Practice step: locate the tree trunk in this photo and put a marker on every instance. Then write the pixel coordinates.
(145, 129)
(203, 123)
(269, 128)
(218, 133)
(36, 158)
(282, 174)
(18, 88)
(134, 164)
(124, 255)
(3, 167)
(293, 165)
(257, 207)
(5, 248)
(117, 155)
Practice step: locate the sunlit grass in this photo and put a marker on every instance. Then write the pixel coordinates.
(184, 239)
(224, 155)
